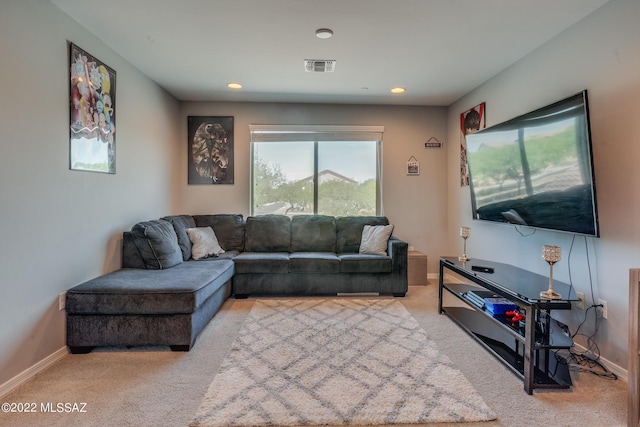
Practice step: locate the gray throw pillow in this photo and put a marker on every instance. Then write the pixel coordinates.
(180, 224)
(157, 243)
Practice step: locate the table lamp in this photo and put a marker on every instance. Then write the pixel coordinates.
(551, 254)
(465, 232)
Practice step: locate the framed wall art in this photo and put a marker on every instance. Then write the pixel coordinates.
(471, 121)
(92, 130)
(210, 146)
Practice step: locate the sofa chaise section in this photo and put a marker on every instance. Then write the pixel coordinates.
(155, 299)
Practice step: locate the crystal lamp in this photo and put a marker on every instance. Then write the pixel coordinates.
(465, 232)
(551, 254)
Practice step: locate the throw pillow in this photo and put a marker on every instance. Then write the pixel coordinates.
(375, 239)
(180, 224)
(204, 242)
(157, 243)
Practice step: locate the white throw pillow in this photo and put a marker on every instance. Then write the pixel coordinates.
(204, 242)
(375, 239)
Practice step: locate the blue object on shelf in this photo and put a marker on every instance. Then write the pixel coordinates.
(498, 305)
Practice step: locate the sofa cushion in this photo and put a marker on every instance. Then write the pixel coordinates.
(180, 224)
(229, 229)
(349, 231)
(262, 262)
(205, 243)
(181, 289)
(157, 243)
(313, 233)
(268, 233)
(364, 263)
(314, 262)
(375, 239)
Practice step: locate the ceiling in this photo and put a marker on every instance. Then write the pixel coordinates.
(439, 50)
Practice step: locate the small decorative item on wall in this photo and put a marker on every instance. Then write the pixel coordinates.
(92, 145)
(413, 166)
(470, 121)
(433, 142)
(210, 150)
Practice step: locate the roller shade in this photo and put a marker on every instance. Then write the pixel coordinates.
(271, 133)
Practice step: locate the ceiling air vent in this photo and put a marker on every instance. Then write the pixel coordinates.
(319, 65)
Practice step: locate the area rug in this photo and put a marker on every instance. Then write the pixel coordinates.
(336, 362)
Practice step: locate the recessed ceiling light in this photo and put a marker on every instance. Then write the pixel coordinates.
(234, 85)
(324, 33)
(398, 90)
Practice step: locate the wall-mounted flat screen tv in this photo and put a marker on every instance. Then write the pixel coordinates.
(536, 170)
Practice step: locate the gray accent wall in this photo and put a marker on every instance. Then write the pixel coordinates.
(60, 227)
(600, 54)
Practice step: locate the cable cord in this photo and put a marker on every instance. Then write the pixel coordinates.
(589, 359)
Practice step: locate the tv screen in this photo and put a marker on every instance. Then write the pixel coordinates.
(536, 170)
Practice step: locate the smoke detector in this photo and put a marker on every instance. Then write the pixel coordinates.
(319, 65)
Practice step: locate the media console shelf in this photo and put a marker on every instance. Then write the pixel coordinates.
(527, 347)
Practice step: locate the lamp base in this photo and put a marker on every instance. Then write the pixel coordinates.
(463, 258)
(550, 294)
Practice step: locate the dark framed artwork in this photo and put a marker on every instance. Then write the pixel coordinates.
(210, 145)
(92, 118)
(471, 121)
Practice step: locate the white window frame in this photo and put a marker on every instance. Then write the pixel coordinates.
(285, 133)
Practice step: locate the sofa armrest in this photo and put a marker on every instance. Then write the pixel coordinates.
(398, 250)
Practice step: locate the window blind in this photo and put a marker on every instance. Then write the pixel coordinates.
(283, 133)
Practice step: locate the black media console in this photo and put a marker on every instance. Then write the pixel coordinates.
(528, 346)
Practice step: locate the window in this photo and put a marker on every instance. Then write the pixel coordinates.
(328, 170)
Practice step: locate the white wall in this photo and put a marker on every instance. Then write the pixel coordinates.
(414, 204)
(61, 227)
(599, 54)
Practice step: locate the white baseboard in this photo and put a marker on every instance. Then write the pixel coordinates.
(32, 371)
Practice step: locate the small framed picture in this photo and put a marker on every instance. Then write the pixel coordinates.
(413, 167)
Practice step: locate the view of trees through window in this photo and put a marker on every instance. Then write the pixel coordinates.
(325, 177)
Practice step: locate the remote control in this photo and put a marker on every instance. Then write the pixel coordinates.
(482, 268)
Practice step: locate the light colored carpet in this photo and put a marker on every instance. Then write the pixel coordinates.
(342, 362)
(158, 388)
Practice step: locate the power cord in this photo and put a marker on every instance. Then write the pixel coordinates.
(589, 359)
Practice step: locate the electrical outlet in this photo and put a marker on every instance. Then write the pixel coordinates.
(580, 302)
(603, 309)
(62, 299)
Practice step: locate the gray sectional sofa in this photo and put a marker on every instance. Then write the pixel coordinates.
(162, 296)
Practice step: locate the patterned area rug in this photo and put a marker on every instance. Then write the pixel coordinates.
(336, 362)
